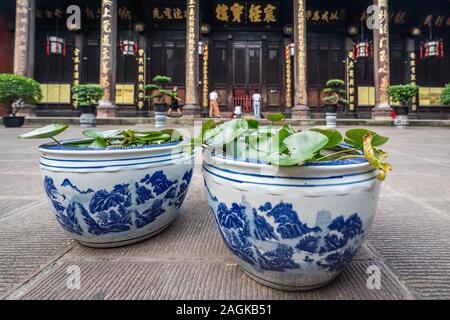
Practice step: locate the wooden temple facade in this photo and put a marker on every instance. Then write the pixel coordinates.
(286, 49)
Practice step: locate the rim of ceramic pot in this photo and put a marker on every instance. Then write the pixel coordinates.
(348, 163)
(65, 149)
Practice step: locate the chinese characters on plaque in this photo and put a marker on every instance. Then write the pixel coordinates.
(168, 12)
(351, 80)
(246, 12)
(141, 79)
(76, 74)
(325, 16)
(287, 56)
(205, 75)
(88, 12)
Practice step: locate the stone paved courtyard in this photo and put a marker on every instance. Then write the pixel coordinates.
(409, 240)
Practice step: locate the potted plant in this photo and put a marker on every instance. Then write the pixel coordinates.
(445, 95)
(402, 94)
(158, 94)
(116, 187)
(87, 96)
(292, 206)
(335, 95)
(15, 91)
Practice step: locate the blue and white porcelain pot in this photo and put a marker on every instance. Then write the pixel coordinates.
(116, 196)
(291, 228)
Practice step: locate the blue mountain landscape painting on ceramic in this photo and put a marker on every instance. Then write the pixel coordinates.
(272, 237)
(122, 208)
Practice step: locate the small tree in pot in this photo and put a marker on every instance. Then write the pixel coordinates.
(158, 94)
(87, 96)
(335, 95)
(15, 92)
(445, 95)
(402, 94)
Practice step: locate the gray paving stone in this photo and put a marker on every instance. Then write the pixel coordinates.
(415, 241)
(28, 240)
(195, 280)
(409, 240)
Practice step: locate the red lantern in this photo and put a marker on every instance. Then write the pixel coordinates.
(55, 45)
(129, 47)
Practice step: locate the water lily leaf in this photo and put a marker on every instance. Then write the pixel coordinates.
(225, 132)
(275, 117)
(45, 132)
(355, 137)
(334, 136)
(174, 135)
(252, 124)
(98, 143)
(301, 146)
(376, 157)
(101, 134)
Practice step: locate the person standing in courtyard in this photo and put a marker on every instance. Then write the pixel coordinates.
(214, 111)
(257, 99)
(174, 103)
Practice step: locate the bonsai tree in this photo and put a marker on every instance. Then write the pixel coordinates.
(335, 93)
(445, 95)
(15, 91)
(87, 94)
(158, 91)
(403, 93)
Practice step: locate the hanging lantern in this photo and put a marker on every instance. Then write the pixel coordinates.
(434, 48)
(129, 47)
(431, 47)
(362, 49)
(55, 45)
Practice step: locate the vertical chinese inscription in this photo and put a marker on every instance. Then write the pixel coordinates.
(381, 48)
(412, 75)
(205, 75)
(287, 55)
(351, 80)
(192, 27)
(141, 79)
(107, 44)
(300, 53)
(21, 37)
(76, 74)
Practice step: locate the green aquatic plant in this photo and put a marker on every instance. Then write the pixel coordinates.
(285, 146)
(106, 139)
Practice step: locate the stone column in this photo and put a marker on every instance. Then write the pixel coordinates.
(192, 108)
(382, 110)
(24, 45)
(108, 42)
(301, 109)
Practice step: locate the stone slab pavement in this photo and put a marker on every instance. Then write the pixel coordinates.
(409, 240)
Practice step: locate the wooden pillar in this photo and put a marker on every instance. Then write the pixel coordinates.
(301, 109)
(192, 108)
(24, 45)
(382, 108)
(108, 42)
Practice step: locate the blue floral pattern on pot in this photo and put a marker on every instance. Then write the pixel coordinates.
(124, 207)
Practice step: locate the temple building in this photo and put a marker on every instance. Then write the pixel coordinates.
(286, 49)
